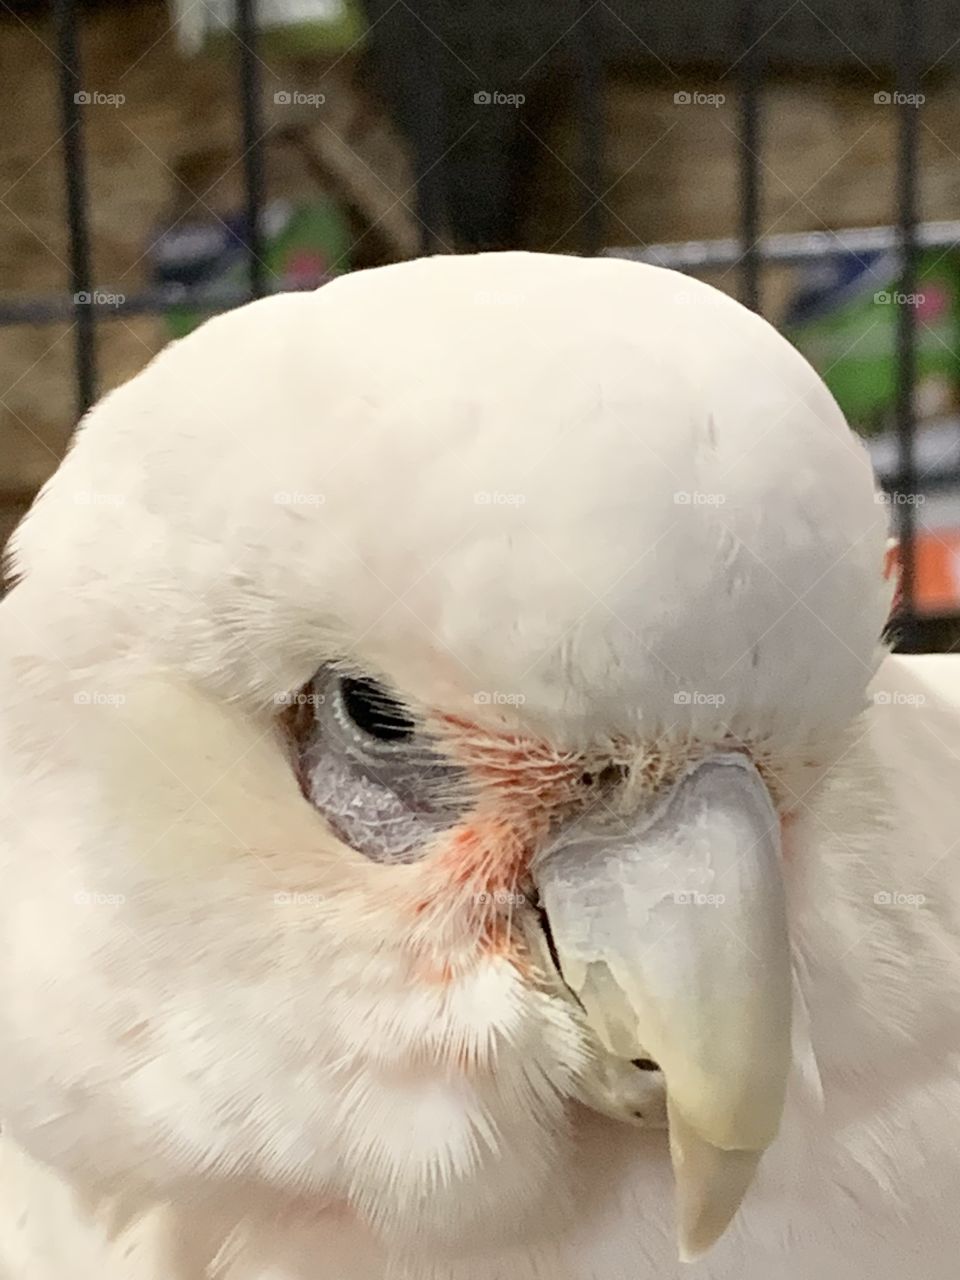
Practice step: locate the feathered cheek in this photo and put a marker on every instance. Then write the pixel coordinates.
(477, 887)
(521, 791)
(486, 860)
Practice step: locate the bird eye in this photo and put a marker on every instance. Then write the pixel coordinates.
(372, 710)
(370, 768)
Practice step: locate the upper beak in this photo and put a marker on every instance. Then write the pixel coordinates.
(672, 933)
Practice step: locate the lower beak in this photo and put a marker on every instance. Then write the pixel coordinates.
(671, 931)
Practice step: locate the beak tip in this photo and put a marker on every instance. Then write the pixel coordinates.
(693, 1242)
(711, 1183)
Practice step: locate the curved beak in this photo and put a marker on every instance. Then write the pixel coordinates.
(671, 931)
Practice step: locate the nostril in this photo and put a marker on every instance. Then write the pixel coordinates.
(609, 776)
(646, 1064)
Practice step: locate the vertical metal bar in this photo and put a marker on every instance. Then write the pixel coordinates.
(751, 77)
(70, 91)
(908, 84)
(430, 125)
(253, 131)
(588, 43)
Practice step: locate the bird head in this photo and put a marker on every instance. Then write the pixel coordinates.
(409, 688)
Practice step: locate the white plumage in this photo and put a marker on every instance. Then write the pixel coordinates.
(574, 514)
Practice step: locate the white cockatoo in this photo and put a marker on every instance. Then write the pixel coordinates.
(459, 821)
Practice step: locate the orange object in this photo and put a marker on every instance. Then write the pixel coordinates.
(937, 571)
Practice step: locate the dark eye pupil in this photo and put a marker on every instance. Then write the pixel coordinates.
(374, 711)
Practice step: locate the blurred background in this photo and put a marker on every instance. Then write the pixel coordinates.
(163, 160)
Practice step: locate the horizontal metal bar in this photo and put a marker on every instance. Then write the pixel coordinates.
(937, 452)
(789, 247)
(108, 304)
(924, 484)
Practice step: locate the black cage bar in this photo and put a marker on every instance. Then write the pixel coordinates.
(74, 159)
(427, 130)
